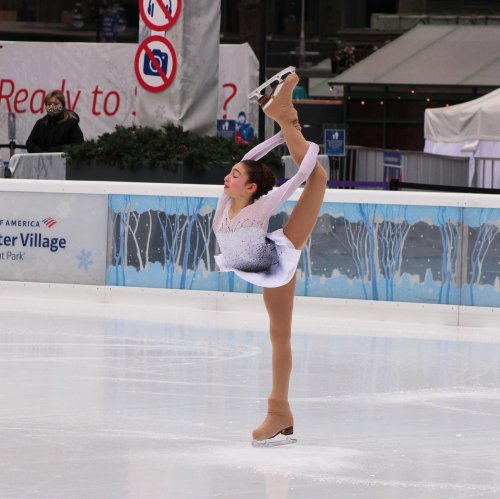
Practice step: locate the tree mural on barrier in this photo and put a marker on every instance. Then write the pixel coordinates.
(204, 234)
(192, 209)
(173, 232)
(306, 265)
(119, 232)
(362, 239)
(450, 231)
(170, 227)
(486, 234)
(392, 229)
(377, 243)
(357, 237)
(368, 212)
(366, 251)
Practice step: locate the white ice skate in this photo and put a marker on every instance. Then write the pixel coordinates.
(277, 439)
(273, 82)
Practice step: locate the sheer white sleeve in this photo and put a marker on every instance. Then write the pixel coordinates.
(263, 148)
(278, 196)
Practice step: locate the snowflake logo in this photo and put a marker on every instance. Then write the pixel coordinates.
(84, 260)
(160, 111)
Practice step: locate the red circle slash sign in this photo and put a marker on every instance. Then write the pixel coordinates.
(155, 63)
(159, 15)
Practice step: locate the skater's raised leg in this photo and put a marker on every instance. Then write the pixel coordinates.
(304, 216)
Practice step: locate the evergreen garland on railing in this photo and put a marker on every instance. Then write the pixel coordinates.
(165, 147)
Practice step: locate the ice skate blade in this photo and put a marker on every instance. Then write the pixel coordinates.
(276, 79)
(274, 442)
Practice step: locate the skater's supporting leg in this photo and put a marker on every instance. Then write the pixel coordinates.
(279, 306)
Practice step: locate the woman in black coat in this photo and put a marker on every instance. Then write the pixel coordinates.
(58, 128)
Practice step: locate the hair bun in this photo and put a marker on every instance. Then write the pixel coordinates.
(268, 179)
(261, 175)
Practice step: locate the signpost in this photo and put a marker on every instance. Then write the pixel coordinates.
(226, 128)
(12, 126)
(335, 142)
(178, 77)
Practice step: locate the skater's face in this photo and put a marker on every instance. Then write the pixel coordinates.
(236, 184)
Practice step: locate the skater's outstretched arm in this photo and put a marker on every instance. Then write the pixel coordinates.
(278, 196)
(260, 150)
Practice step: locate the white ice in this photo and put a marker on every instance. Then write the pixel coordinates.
(111, 404)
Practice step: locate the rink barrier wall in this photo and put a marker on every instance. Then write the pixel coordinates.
(422, 248)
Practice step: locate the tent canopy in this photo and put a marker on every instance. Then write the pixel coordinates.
(433, 55)
(471, 129)
(478, 119)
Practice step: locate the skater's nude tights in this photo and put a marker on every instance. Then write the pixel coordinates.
(279, 301)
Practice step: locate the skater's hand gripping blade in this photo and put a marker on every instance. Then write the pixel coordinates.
(274, 442)
(272, 82)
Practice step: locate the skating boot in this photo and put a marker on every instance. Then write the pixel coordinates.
(278, 423)
(278, 104)
(259, 93)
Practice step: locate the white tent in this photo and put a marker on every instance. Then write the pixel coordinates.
(471, 129)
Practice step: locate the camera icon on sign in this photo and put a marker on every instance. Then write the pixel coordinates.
(162, 60)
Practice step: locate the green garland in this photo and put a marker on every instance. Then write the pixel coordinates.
(166, 147)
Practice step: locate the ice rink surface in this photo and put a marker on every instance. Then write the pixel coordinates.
(113, 404)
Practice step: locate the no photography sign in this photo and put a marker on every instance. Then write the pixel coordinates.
(159, 15)
(155, 63)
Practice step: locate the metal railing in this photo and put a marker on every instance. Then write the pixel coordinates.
(364, 164)
(365, 167)
(486, 173)
(12, 146)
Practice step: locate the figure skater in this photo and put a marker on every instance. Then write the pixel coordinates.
(270, 259)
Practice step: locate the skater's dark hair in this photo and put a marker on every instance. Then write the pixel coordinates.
(261, 175)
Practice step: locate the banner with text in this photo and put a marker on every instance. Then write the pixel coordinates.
(96, 79)
(47, 237)
(106, 96)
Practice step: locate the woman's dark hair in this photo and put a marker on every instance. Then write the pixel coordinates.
(261, 175)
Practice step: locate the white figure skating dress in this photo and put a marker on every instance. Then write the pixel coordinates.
(264, 259)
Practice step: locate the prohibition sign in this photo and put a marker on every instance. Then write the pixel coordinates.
(160, 15)
(155, 63)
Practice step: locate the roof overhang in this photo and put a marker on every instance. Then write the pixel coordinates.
(447, 55)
